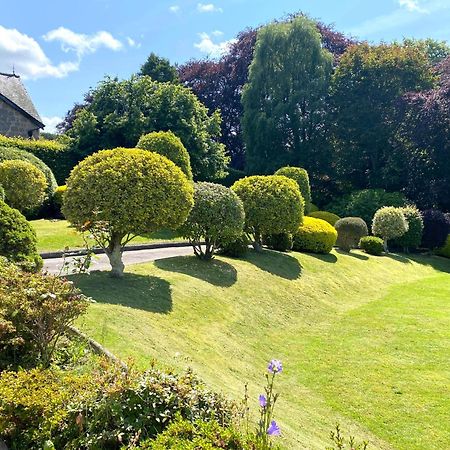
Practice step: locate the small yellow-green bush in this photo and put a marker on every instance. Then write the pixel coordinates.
(315, 235)
(445, 249)
(372, 245)
(301, 177)
(58, 196)
(329, 217)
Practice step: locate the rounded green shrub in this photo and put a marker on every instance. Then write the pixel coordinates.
(313, 208)
(167, 144)
(217, 216)
(389, 223)
(329, 217)
(372, 245)
(24, 184)
(282, 242)
(350, 231)
(301, 177)
(18, 242)
(237, 248)
(121, 193)
(273, 205)
(445, 249)
(413, 237)
(315, 235)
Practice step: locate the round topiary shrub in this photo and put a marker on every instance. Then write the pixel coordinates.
(350, 230)
(413, 237)
(301, 177)
(18, 242)
(273, 205)
(282, 242)
(435, 229)
(167, 144)
(121, 193)
(315, 235)
(329, 217)
(389, 223)
(217, 216)
(24, 184)
(236, 248)
(372, 245)
(445, 249)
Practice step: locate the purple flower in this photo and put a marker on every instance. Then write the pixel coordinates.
(274, 429)
(262, 401)
(275, 366)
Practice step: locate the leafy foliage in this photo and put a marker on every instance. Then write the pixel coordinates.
(389, 223)
(282, 242)
(325, 215)
(217, 217)
(236, 248)
(315, 235)
(23, 183)
(413, 237)
(159, 69)
(435, 229)
(445, 249)
(372, 245)
(301, 177)
(167, 144)
(350, 231)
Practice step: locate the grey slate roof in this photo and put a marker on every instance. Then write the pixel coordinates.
(13, 91)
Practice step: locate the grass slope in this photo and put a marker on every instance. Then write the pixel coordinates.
(55, 235)
(364, 340)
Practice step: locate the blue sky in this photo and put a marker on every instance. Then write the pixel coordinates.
(63, 48)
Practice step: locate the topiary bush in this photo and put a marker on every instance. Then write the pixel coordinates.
(329, 217)
(301, 177)
(121, 193)
(412, 239)
(167, 144)
(24, 184)
(389, 223)
(445, 249)
(217, 216)
(350, 231)
(435, 229)
(315, 235)
(18, 241)
(372, 245)
(282, 242)
(237, 248)
(273, 205)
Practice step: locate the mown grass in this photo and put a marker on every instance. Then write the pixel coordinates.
(56, 235)
(364, 340)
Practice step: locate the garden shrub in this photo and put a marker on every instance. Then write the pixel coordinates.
(2, 194)
(413, 237)
(301, 177)
(24, 184)
(350, 231)
(18, 241)
(167, 144)
(365, 203)
(315, 235)
(122, 193)
(282, 242)
(236, 248)
(233, 175)
(329, 217)
(313, 208)
(435, 229)
(272, 204)
(58, 196)
(445, 249)
(372, 245)
(217, 216)
(389, 223)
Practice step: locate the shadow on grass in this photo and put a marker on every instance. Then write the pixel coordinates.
(215, 271)
(352, 254)
(143, 292)
(280, 264)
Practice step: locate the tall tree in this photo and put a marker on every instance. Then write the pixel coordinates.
(159, 69)
(284, 99)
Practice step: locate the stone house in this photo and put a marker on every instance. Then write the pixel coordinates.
(18, 116)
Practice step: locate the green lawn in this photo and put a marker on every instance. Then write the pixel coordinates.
(364, 340)
(55, 235)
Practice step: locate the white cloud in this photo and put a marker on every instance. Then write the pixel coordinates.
(82, 44)
(174, 9)
(50, 123)
(217, 33)
(132, 43)
(208, 8)
(28, 58)
(207, 46)
(412, 5)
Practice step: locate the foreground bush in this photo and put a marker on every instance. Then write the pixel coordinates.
(315, 235)
(282, 242)
(435, 229)
(121, 193)
(301, 177)
(389, 223)
(167, 144)
(372, 245)
(272, 204)
(350, 231)
(24, 184)
(236, 248)
(329, 217)
(18, 241)
(217, 216)
(413, 237)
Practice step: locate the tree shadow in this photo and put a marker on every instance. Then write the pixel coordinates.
(400, 258)
(280, 264)
(353, 255)
(142, 292)
(215, 271)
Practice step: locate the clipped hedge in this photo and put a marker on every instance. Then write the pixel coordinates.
(372, 245)
(329, 217)
(315, 235)
(350, 231)
(301, 177)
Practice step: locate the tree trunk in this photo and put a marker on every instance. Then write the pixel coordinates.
(385, 245)
(114, 253)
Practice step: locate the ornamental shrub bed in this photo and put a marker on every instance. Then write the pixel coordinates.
(315, 235)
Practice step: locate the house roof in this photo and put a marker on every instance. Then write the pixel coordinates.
(14, 93)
